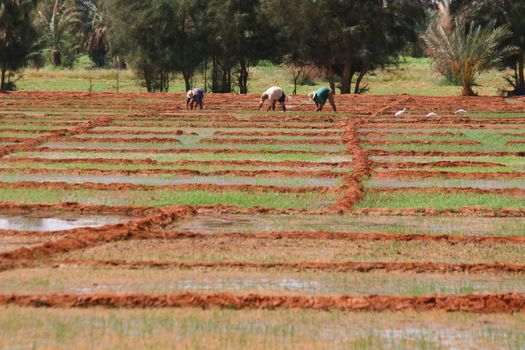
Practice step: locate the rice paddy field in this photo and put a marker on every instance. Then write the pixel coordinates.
(127, 221)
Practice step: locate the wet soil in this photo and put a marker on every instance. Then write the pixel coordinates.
(246, 223)
(40, 222)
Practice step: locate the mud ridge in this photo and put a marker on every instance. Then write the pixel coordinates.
(438, 164)
(180, 151)
(278, 133)
(473, 211)
(442, 126)
(141, 132)
(375, 142)
(234, 125)
(186, 187)
(479, 303)
(342, 236)
(181, 172)
(148, 161)
(81, 238)
(125, 140)
(422, 174)
(34, 142)
(416, 133)
(271, 141)
(416, 267)
(436, 153)
(518, 192)
(353, 188)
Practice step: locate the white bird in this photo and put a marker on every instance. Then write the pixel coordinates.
(460, 111)
(432, 114)
(401, 113)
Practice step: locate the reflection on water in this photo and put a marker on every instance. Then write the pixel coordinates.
(29, 223)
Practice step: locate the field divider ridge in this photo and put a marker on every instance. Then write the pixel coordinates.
(479, 303)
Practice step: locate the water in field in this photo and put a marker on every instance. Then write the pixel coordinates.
(215, 223)
(176, 180)
(34, 222)
(481, 184)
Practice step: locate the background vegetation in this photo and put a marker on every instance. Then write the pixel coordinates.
(244, 45)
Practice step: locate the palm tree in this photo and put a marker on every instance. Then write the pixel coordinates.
(56, 24)
(466, 50)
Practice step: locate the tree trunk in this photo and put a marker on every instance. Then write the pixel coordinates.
(205, 75)
(296, 76)
(187, 80)
(346, 79)
(357, 89)
(331, 79)
(2, 81)
(521, 81)
(243, 76)
(56, 57)
(214, 75)
(467, 90)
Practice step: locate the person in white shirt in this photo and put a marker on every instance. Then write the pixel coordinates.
(274, 94)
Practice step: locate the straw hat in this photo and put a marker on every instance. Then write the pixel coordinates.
(311, 95)
(190, 94)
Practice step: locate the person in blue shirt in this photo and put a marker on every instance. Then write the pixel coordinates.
(320, 96)
(194, 98)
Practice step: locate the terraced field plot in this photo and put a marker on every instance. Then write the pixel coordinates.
(126, 201)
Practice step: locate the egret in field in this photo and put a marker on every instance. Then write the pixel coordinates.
(460, 111)
(432, 114)
(401, 113)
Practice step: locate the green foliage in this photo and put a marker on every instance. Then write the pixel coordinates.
(56, 18)
(158, 37)
(461, 51)
(510, 14)
(17, 38)
(345, 38)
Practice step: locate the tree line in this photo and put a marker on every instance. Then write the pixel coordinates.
(345, 40)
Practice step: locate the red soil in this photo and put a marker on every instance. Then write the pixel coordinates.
(378, 152)
(147, 161)
(417, 267)
(186, 187)
(467, 211)
(416, 133)
(271, 141)
(181, 172)
(421, 142)
(87, 237)
(422, 174)
(345, 236)
(34, 142)
(438, 164)
(480, 303)
(180, 151)
(278, 133)
(507, 191)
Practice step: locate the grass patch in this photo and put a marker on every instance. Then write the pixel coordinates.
(160, 198)
(291, 251)
(190, 145)
(438, 200)
(279, 157)
(73, 279)
(202, 168)
(121, 329)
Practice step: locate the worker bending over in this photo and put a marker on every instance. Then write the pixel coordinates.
(194, 98)
(274, 94)
(320, 96)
